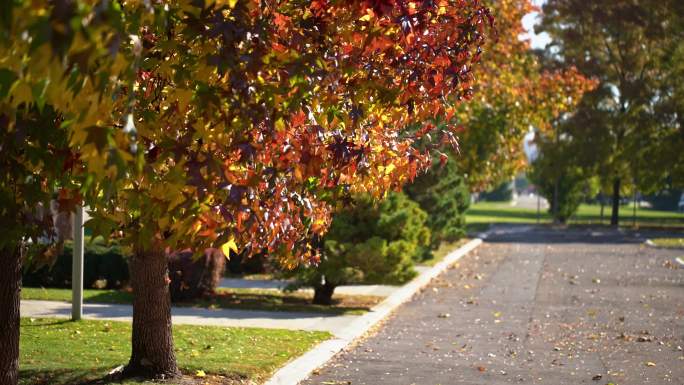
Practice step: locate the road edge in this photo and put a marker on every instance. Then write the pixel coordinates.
(300, 368)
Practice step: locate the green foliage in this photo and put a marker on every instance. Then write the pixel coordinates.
(443, 194)
(370, 242)
(34, 162)
(103, 263)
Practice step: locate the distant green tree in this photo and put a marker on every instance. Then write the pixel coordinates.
(568, 189)
(368, 242)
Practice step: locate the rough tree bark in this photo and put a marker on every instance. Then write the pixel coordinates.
(10, 287)
(152, 353)
(614, 217)
(323, 294)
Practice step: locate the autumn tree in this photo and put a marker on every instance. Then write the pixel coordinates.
(45, 64)
(514, 94)
(627, 46)
(235, 124)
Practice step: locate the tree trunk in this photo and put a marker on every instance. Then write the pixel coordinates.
(555, 202)
(152, 353)
(323, 294)
(602, 205)
(10, 287)
(614, 217)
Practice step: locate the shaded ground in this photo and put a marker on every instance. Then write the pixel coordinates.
(224, 298)
(535, 306)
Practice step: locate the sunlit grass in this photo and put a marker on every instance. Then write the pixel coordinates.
(670, 243)
(60, 352)
(499, 212)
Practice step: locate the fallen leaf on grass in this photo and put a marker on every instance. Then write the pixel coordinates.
(200, 373)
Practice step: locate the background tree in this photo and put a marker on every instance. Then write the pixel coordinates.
(559, 179)
(234, 124)
(625, 46)
(514, 94)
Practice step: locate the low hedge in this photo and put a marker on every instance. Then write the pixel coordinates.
(106, 267)
(103, 267)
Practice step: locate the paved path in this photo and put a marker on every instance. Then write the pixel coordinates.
(534, 307)
(334, 324)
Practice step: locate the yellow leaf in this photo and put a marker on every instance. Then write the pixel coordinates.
(389, 169)
(228, 246)
(183, 95)
(200, 373)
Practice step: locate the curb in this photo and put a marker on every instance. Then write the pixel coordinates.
(300, 368)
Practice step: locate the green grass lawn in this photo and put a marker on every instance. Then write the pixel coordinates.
(59, 352)
(252, 299)
(670, 243)
(444, 249)
(481, 214)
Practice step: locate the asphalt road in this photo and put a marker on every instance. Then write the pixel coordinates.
(534, 306)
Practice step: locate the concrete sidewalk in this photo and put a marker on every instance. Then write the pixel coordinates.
(334, 324)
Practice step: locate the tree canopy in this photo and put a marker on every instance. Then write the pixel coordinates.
(232, 124)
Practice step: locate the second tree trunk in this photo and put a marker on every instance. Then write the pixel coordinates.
(152, 353)
(323, 294)
(615, 215)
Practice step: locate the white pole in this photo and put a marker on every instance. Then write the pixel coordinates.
(77, 267)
